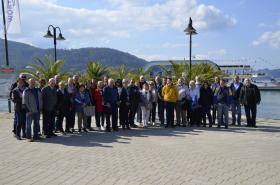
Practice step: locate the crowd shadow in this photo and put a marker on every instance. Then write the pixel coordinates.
(105, 139)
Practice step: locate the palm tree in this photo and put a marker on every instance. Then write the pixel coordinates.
(96, 70)
(120, 72)
(44, 69)
(206, 71)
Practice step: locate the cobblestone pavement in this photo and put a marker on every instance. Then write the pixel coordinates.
(238, 155)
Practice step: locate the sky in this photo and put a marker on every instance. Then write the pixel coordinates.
(229, 32)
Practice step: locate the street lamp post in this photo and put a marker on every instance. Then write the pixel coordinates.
(53, 35)
(190, 31)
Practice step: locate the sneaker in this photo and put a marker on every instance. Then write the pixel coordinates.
(154, 123)
(85, 130)
(30, 140)
(18, 138)
(80, 130)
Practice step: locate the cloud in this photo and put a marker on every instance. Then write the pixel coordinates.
(270, 38)
(123, 19)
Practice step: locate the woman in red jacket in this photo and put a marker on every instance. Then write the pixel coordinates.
(97, 96)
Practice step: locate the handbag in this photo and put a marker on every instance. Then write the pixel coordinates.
(89, 110)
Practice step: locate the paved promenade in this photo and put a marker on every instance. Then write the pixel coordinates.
(238, 155)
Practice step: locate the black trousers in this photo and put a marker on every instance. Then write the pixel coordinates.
(48, 122)
(251, 113)
(112, 113)
(70, 119)
(60, 117)
(123, 112)
(20, 123)
(170, 107)
(206, 110)
(89, 122)
(195, 116)
(153, 112)
(132, 111)
(161, 111)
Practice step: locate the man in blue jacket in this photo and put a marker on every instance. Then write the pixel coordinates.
(223, 99)
(111, 100)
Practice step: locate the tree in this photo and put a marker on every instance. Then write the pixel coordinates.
(44, 69)
(206, 71)
(120, 72)
(96, 70)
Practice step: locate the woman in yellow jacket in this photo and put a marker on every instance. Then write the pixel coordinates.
(170, 96)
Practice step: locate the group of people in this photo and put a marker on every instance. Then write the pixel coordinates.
(121, 100)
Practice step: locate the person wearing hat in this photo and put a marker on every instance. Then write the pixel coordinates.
(22, 78)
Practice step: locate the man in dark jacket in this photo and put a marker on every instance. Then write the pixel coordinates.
(63, 106)
(49, 108)
(21, 77)
(19, 109)
(236, 107)
(134, 100)
(250, 97)
(111, 100)
(206, 101)
(159, 85)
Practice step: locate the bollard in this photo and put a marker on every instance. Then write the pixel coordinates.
(9, 105)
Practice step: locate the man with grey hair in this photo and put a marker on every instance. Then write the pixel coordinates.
(49, 108)
(181, 112)
(111, 100)
(250, 97)
(32, 103)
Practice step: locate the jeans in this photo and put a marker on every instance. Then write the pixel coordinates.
(170, 107)
(35, 117)
(251, 113)
(20, 123)
(206, 111)
(236, 109)
(222, 113)
(99, 118)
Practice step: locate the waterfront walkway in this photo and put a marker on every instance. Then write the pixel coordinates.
(238, 155)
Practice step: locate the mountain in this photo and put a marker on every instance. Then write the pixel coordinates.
(21, 54)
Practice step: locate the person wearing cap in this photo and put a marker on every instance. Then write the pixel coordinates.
(22, 77)
(19, 110)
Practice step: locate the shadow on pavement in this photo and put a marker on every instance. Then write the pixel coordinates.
(103, 139)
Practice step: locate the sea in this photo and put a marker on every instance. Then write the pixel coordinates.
(269, 107)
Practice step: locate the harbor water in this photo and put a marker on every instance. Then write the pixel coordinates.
(269, 107)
